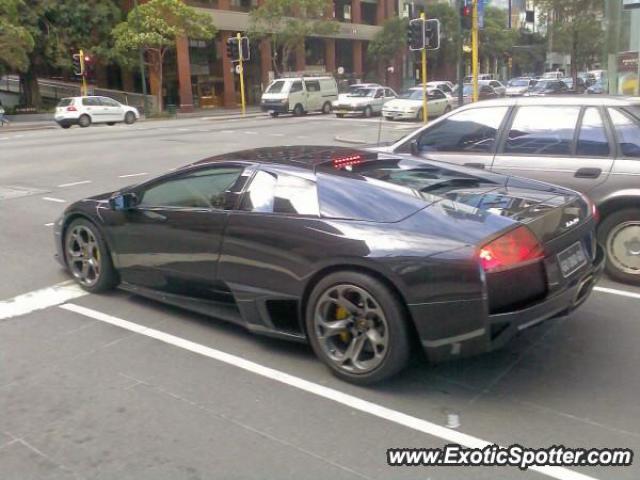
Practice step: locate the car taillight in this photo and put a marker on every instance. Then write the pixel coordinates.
(72, 109)
(592, 208)
(515, 248)
(341, 162)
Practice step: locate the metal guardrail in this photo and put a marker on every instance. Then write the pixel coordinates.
(56, 90)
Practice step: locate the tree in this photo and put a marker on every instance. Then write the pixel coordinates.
(495, 39)
(15, 40)
(154, 27)
(450, 36)
(574, 28)
(529, 52)
(389, 41)
(287, 23)
(58, 29)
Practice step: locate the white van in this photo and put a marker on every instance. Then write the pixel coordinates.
(299, 95)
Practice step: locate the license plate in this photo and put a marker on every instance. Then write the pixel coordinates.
(572, 259)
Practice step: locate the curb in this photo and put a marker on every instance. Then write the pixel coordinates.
(26, 129)
(231, 117)
(338, 138)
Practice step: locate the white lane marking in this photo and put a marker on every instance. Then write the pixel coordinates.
(227, 131)
(4, 138)
(183, 129)
(277, 134)
(48, 224)
(337, 396)
(53, 199)
(40, 299)
(18, 136)
(73, 184)
(623, 293)
(133, 175)
(250, 133)
(302, 136)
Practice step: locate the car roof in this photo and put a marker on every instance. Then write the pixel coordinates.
(301, 156)
(579, 100)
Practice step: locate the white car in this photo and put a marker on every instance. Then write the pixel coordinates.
(519, 86)
(445, 86)
(84, 111)
(299, 95)
(497, 86)
(364, 101)
(352, 88)
(409, 105)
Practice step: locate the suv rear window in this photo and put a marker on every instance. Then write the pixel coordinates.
(65, 102)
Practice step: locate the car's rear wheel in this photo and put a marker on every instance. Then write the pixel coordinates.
(298, 110)
(340, 115)
(88, 257)
(274, 114)
(326, 108)
(111, 124)
(447, 109)
(619, 232)
(368, 112)
(65, 125)
(129, 118)
(84, 121)
(357, 327)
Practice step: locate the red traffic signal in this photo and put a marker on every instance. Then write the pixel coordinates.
(466, 12)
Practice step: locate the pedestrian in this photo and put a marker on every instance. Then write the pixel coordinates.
(3, 117)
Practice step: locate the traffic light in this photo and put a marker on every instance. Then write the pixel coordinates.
(530, 16)
(89, 66)
(432, 34)
(466, 12)
(415, 34)
(246, 52)
(232, 49)
(77, 65)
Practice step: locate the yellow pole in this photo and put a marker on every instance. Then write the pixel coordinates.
(239, 37)
(474, 49)
(83, 73)
(425, 111)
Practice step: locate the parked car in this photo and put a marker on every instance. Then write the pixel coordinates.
(587, 143)
(352, 88)
(553, 75)
(84, 111)
(408, 106)
(497, 86)
(361, 254)
(485, 92)
(445, 86)
(597, 88)
(363, 101)
(299, 95)
(579, 87)
(548, 87)
(519, 86)
(481, 76)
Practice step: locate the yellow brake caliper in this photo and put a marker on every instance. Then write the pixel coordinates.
(341, 314)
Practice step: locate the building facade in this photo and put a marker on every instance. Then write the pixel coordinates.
(622, 46)
(200, 75)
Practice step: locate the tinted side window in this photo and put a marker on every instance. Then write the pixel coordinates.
(592, 140)
(627, 132)
(542, 131)
(467, 131)
(281, 193)
(109, 102)
(295, 87)
(90, 102)
(201, 189)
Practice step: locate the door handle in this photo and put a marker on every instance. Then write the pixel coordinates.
(588, 173)
(474, 165)
(155, 216)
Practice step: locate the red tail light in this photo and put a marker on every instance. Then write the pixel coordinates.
(342, 162)
(593, 209)
(72, 109)
(514, 248)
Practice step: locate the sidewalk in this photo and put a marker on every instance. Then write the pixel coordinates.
(45, 121)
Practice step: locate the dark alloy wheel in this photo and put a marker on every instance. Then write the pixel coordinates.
(356, 326)
(65, 125)
(129, 118)
(88, 258)
(326, 108)
(298, 110)
(619, 233)
(84, 121)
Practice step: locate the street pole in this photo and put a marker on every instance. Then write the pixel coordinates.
(143, 75)
(83, 73)
(510, 13)
(461, 58)
(474, 49)
(239, 37)
(425, 111)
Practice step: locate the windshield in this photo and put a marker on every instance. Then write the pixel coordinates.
(278, 86)
(542, 85)
(412, 95)
(65, 102)
(518, 83)
(363, 92)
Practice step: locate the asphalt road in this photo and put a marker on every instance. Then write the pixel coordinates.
(114, 386)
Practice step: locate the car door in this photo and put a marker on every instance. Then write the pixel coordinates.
(466, 137)
(170, 241)
(389, 95)
(112, 110)
(625, 174)
(93, 107)
(437, 102)
(378, 100)
(498, 87)
(314, 97)
(565, 145)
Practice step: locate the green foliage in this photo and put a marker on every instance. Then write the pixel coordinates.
(15, 40)
(575, 28)
(529, 53)
(495, 39)
(288, 22)
(449, 33)
(390, 40)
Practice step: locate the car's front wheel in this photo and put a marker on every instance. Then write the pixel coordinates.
(357, 327)
(129, 118)
(88, 257)
(619, 232)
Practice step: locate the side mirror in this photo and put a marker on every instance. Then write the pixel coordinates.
(123, 201)
(415, 149)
